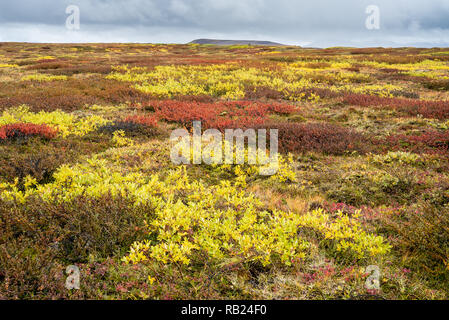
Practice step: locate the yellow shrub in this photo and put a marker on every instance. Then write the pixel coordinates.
(221, 80)
(66, 124)
(43, 77)
(119, 139)
(5, 65)
(191, 218)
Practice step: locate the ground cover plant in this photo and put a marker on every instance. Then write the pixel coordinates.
(86, 177)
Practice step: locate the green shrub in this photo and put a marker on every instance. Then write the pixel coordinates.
(421, 239)
(39, 239)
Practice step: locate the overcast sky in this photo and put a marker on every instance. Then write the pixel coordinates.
(316, 23)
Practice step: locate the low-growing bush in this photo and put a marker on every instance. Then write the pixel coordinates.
(405, 94)
(428, 109)
(318, 65)
(319, 137)
(125, 126)
(257, 92)
(68, 95)
(65, 124)
(38, 166)
(43, 77)
(313, 93)
(368, 169)
(136, 125)
(394, 59)
(428, 141)
(396, 157)
(39, 158)
(439, 85)
(220, 115)
(24, 130)
(39, 239)
(46, 65)
(374, 187)
(148, 121)
(201, 98)
(421, 238)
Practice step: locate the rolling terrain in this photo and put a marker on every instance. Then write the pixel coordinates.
(86, 177)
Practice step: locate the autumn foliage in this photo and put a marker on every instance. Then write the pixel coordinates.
(412, 107)
(149, 121)
(429, 141)
(219, 115)
(319, 137)
(87, 176)
(22, 130)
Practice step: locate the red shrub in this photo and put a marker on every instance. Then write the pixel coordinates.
(19, 130)
(49, 64)
(148, 121)
(319, 137)
(185, 112)
(429, 141)
(240, 123)
(220, 115)
(68, 95)
(428, 109)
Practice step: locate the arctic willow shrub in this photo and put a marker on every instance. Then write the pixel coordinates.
(241, 174)
(193, 220)
(43, 77)
(119, 139)
(227, 226)
(396, 157)
(65, 123)
(228, 81)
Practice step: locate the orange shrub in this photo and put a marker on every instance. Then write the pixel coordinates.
(21, 130)
(143, 120)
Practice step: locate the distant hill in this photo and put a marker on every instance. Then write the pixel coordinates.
(236, 42)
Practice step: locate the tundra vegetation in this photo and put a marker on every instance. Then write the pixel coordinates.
(86, 177)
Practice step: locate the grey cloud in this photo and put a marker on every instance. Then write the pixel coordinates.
(318, 22)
